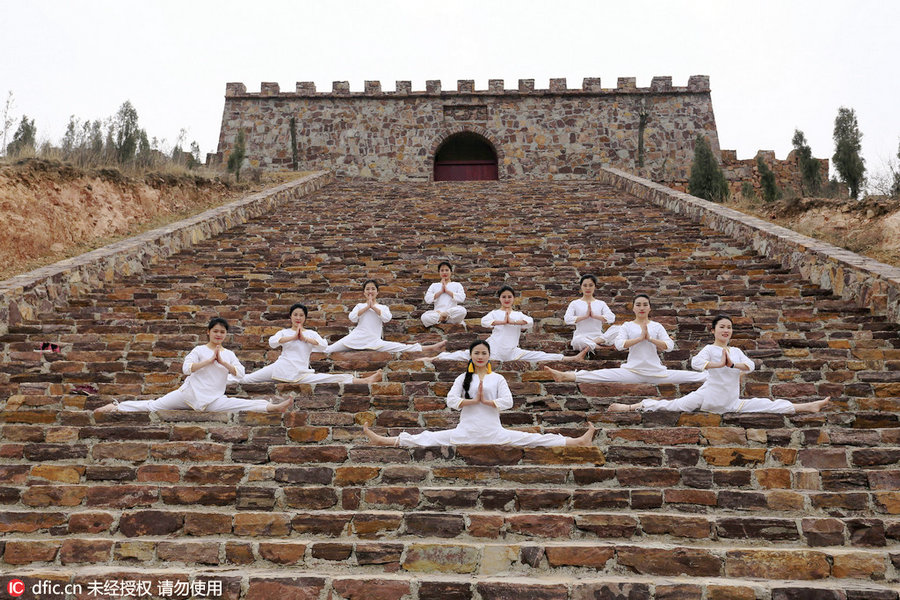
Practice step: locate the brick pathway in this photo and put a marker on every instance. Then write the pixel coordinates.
(668, 506)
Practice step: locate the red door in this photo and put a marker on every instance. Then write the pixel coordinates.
(465, 170)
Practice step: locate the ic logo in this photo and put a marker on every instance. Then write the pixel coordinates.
(15, 587)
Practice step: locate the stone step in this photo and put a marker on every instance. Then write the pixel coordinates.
(521, 526)
(116, 462)
(835, 428)
(429, 555)
(271, 495)
(255, 583)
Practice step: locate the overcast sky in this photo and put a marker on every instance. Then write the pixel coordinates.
(774, 65)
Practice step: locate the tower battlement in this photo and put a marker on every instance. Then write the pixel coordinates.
(466, 87)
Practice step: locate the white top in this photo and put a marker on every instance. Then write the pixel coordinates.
(369, 329)
(643, 357)
(505, 338)
(723, 386)
(456, 296)
(207, 384)
(593, 326)
(477, 421)
(293, 363)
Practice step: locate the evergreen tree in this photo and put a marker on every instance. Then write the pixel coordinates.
(767, 180)
(23, 138)
(237, 155)
(128, 134)
(847, 143)
(707, 180)
(895, 189)
(809, 166)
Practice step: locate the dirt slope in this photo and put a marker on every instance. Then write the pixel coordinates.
(49, 210)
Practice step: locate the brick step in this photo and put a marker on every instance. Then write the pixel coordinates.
(115, 462)
(254, 583)
(429, 555)
(282, 495)
(637, 526)
(859, 428)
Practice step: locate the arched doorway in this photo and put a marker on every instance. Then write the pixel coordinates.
(465, 156)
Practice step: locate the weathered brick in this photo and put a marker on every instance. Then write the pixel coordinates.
(371, 525)
(282, 553)
(23, 552)
(150, 522)
(204, 553)
(496, 590)
(262, 524)
(607, 526)
(285, 588)
(76, 551)
(29, 522)
(369, 589)
(333, 551)
(435, 525)
(676, 525)
(206, 523)
(545, 526)
(695, 562)
(777, 564)
(579, 556)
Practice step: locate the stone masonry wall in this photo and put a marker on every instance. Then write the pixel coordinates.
(558, 133)
(24, 296)
(865, 281)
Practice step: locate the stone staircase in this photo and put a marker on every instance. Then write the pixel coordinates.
(664, 506)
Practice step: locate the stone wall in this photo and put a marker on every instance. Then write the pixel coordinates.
(24, 296)
(557, 133)
(863, 280)
(787, 171)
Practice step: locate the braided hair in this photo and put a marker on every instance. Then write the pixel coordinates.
(470, 369)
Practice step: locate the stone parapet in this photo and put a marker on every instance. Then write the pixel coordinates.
(465, 87)
(26, 295)
(865, 281)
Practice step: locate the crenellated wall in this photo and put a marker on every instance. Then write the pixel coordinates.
(553, 133)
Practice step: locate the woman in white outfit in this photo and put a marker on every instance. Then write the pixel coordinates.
(207, 368)
(370, 318)
(446, 296)
(721, 392)
(292, 366)
(479, 395)
(508, 325)
(588, 315)
(644, 339)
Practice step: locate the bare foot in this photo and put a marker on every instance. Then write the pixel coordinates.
(443, 318)
(584, 440)
(560, 375)
(578, 356)
(434, 349)
(812, 407)
(379, 440)
(616, 407)
(280, 407)
(376, 376)
(106, 408)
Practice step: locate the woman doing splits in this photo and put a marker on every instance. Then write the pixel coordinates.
(446, 296)
(292, 365)
(371, 318)
(588, 315)
(508, 325)
(207, 367)
(644, 339)
(721, 392)
(480, 395)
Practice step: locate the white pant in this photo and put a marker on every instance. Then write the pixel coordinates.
(508, 437)
(694, 401)
(455, 314)
(176, 401)
(265, 374)
(621, 375)
(383, 346)
(515, 354)
(608, 337)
